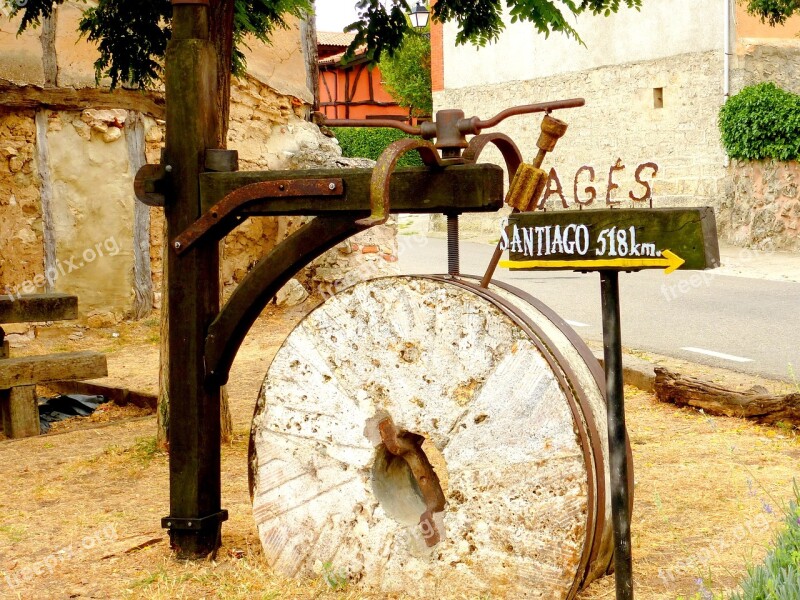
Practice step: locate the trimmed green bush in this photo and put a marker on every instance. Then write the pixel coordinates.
(778, 577)
(761, 121)
(370, 142)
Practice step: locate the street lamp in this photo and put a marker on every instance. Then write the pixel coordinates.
(419, 16)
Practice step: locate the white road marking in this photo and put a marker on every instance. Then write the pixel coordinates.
(730, 357)
(577, 324)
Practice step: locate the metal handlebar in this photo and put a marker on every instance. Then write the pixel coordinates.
(451, 127)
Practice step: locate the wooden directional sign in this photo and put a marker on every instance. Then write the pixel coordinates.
(612, 240)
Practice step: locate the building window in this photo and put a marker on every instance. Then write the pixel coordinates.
(658, 97)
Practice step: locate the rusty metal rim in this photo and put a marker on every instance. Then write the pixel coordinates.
(508, 149)
(582, 416)
(588, 357)
(217, 220)
(563, 326)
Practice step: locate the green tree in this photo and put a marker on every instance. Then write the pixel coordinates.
(407, 74)
(132, 34)
(774, 12)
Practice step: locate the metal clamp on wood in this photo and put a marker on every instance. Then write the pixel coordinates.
(408, 446)
(213, 222)
(382, 173)
(176, 524)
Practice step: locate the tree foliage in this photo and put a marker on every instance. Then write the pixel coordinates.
(775, 12)
(382, 29)
(761, 121)
(370, 142)
(407, 74)
(132, 34)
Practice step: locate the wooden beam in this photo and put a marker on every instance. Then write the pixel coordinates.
(36, 308)
(19, 409)
(32, 370)
(364, 103)
(465, 188)
(35, 97)
(756, 403)
(193, 125)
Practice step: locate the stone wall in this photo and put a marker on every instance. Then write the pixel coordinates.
(21, 237)
(622, 121)
(758, 60)
(763, 210)
(68, 218)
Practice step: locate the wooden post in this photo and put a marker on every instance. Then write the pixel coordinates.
(20, 411)
(193, 125)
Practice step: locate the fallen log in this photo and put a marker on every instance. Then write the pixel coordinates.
(756, 403)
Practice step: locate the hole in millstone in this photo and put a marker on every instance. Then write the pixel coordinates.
(396, 489)
(399, 492)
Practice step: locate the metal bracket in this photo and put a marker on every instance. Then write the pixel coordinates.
(382, 174)
(214, 218)
(408, 446)
(179, 524)
(151, 184)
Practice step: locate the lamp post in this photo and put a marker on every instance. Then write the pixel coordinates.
(419, 16)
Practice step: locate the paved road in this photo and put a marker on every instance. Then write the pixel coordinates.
(748, 325)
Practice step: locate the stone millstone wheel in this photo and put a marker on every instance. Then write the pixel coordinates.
(489, 389)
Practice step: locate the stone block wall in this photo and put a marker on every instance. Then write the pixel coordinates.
(68, 218)
(763, 210)
(21, 229)
(622, 124)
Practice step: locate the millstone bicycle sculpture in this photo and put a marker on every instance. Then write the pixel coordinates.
(443, 435)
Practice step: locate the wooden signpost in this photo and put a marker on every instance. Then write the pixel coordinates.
(610, 241)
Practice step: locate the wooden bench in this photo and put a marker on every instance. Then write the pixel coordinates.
(19, 409)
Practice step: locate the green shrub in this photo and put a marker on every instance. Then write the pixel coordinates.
(761, 121)
(778, 577)
(370, 142)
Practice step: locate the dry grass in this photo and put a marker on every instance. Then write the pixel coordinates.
(704, 489)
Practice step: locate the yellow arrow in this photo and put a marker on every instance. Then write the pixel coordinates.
(668, 259)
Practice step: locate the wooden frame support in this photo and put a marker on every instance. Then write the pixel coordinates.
(20, 412)
(193, 290)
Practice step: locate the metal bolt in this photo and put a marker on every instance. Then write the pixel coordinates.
(281, 187)
(177, 245)
(168, 168)
(331, 186)
(189, 523)
(169, 523)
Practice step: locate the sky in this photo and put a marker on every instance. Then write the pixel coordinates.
(335, 15)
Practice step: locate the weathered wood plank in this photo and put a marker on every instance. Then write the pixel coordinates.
(31, 370)
(20, 412)
(755, 403)
(625, 239)
(35, 97)
(193, 125)
(33, 308)
(465, 188)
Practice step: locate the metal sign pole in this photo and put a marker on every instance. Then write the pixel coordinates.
(612, 349)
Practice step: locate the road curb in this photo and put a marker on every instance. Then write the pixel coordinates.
(635, 371)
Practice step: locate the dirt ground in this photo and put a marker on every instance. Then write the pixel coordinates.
(80, 507)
